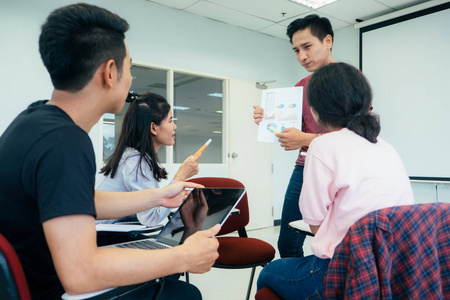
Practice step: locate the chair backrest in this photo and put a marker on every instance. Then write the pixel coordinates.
(235, 221)
(400, 252)
(13, 284)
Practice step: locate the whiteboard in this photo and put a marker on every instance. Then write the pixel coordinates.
(407, 62)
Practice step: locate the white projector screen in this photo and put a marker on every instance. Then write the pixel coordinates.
(407, 62)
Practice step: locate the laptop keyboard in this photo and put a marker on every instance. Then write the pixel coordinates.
(143, 244)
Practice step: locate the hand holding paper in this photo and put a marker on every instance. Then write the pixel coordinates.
(293, 139)
(258, 114)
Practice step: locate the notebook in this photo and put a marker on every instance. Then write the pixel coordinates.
(202, 209)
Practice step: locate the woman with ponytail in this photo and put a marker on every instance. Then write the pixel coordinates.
(349, 172)
(134, 165)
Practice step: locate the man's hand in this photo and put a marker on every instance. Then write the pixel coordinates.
(293, 139)
(200, 250)
(258, 114)
(188, 169)
(174, 194)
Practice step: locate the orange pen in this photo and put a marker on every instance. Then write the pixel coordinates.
(203, 147)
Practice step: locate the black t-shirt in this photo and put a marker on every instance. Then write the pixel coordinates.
(47, 171)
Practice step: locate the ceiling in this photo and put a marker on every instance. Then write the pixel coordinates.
(272, 16)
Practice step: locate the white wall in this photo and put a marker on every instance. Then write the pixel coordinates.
(346, 46)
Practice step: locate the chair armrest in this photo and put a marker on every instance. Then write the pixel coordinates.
(301, 227)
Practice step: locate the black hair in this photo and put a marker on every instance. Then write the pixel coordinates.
(342, 97)
(135, 133)
(320, 27)
(76, 39)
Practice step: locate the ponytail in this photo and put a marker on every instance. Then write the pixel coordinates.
(367, 125)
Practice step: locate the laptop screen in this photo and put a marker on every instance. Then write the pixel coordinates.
(202, 209)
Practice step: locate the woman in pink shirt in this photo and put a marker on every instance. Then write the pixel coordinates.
(349, 173)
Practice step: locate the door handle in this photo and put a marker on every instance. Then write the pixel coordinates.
(234, 155)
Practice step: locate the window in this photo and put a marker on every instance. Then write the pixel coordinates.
(108, 135)
(198, 112)
(197, 109)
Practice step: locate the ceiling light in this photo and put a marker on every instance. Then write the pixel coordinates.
(313, 3)
(180, 107)
(219, 112)
(217, 131)
(215, 95)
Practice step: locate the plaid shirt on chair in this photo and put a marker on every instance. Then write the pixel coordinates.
(399, 252)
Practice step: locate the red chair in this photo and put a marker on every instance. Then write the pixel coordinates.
(266, 293)
(238, 252)
(13, 284)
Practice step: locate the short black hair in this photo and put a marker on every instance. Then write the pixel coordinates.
(320, 27)
(342, 97)
(76, 39)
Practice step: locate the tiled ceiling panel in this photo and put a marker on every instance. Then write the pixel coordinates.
(400, 4)
(272, 16)
(228, 15)
(270, 10)
(275, 30)
(180, 4)
(350, 10)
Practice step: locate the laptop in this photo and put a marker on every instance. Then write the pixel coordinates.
(202, 209)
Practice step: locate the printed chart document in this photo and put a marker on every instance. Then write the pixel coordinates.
(282, 109)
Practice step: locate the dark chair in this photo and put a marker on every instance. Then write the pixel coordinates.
(13, 284)
(238, 252)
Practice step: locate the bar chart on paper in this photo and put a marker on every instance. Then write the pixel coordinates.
(282, 109)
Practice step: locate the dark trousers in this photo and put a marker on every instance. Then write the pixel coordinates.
(290, 242)
(168, 288)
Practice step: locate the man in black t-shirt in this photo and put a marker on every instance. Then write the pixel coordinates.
(47, 198)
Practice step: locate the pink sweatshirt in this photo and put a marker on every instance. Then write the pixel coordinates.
(345, 178)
